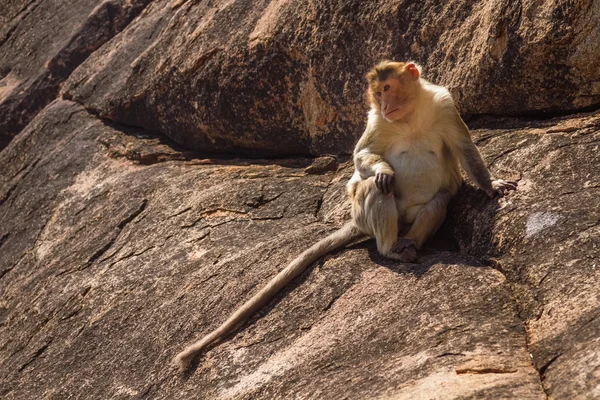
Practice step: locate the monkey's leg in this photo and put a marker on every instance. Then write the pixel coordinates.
(428, 220)
(375, 214)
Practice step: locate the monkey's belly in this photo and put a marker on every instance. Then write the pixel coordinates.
(417, 180)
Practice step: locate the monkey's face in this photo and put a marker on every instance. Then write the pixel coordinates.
(395, 90)
(393, 100)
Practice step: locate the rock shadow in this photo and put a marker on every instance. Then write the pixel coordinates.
(470, 222)
(146, 147)
(465, 237)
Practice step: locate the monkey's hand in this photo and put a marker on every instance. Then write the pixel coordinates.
(384, 182)
(501, 188)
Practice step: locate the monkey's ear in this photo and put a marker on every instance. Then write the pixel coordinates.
(413, 70)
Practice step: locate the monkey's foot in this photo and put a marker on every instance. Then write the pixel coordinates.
(404, 250)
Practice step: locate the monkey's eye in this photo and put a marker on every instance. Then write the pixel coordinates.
(386, 88)
(378, 94)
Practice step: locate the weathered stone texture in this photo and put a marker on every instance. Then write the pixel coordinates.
(42, 42)
(120, 243)
(111, 264)
(286, 77)
(544, 239)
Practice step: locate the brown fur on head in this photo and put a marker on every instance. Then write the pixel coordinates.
(393, 87)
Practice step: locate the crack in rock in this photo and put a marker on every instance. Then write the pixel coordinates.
(121, 225)
(36, 355)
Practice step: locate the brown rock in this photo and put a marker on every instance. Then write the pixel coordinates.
(544, 238)
(322, 164)
(118, 247)
(42, 42)
(110, 266)
(286, 77)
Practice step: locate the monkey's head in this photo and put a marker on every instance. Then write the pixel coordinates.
(393, 88)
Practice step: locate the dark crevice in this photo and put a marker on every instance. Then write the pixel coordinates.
(457, 328)
(322, 198)
(121, 225)
(234, 157)
(485, 371)
(486, 252)
(259, 201)
(562, 146)
(71, 314)
(198, 239)
(133, 254)
(544, 368)
(511, 279)
(208, 278)
(539, 115)
(502, 154)
(331, 302)
(451, 355)
(133, 215)
(319, 205)
(185, 210)
(37, 354)
(210, 211)
(103, 250)
(3, 239)
(37, 330)
(479, 121)
(540, 371)
(146, 392)
(23, 168)
(6, 196)
(273, 218)
(5, 271)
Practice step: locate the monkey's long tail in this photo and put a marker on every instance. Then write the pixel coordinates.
(341, 237)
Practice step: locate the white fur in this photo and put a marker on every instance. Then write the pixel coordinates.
(415, 150)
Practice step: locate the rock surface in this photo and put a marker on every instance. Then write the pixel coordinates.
(111, 264)
(120, 243)
(545, 239)
(42, 42)
(286, 77)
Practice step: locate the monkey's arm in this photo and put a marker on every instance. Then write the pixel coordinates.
(369, 162)
(471, 161)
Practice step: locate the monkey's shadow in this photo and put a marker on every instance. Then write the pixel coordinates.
(464, 238)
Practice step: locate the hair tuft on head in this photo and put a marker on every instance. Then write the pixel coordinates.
(383, 70)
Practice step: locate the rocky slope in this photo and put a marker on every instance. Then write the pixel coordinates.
(42, 42)
(285, 77)
(122, 239)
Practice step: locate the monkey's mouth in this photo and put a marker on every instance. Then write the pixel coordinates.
(389, 112)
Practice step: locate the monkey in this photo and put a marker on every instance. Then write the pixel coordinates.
(406, 170)
(407, 160)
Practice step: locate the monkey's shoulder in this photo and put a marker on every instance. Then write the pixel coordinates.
(438, 94)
